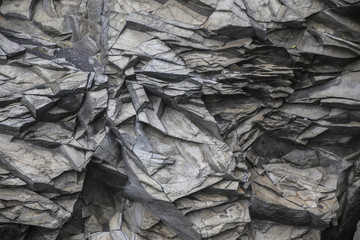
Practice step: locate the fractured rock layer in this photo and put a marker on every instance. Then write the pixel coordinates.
(173, 119)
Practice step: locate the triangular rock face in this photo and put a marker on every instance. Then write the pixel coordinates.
(174, 119)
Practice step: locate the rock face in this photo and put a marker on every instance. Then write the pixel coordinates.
(173, 119)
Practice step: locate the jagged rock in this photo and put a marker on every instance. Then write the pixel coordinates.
(16, 79)
(7, 179)
(343, 87)
(178, 11)
(174, 119)
(278, 11)
(71, 84)
(118, 112)
(231, 20)
(38, 105)
(162, 69)
(22, 206)
(10, 48)
(15, 118)
(144, 21)
(48, 134)
(35, 165)
(215, 220)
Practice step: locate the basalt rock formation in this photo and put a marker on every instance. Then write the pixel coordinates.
(179, 119)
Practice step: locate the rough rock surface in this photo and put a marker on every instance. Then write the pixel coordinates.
(176, 119)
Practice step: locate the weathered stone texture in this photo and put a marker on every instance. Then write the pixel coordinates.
(174, 119)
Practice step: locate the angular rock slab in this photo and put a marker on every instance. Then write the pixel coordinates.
(22, 206)
(35, 165)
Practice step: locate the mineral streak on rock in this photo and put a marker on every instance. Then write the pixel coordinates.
(179, 120)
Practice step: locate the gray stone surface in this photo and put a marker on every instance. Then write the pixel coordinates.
(17, 8)
(174, 119)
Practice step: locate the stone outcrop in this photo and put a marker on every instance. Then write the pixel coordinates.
(174, 119)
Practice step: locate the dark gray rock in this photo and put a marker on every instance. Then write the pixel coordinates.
(307, 158)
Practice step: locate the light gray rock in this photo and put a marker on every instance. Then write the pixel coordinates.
(35, 165)
(278, 11)
(93, 105)
(7, 179)
(218, 219)
(10, 48)
(306, 111)
(15, 118)
(78, 158)
(22, 206)
(174, 91)
(71, 84)
(26, 30)
(229, 23)
(48, 134)
(15, 79)
(17, 9)
(330, 90)
(269, 230)
(185, 12)
(149, 116)
(38, 105)
(144, 21)
(165, 70)
(209, 61)
(138, 95)
(119, 112)
(200, 200)
(296, 189)
(138, 217)
(47, 17)
(219, 160)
